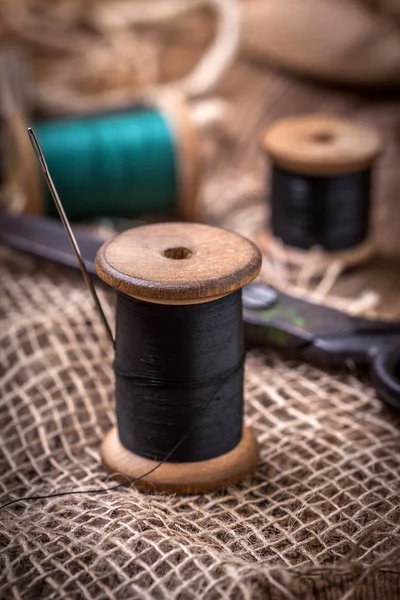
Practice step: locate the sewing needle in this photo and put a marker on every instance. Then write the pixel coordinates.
(43, 165)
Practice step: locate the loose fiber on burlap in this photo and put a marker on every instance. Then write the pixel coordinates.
(319, 519)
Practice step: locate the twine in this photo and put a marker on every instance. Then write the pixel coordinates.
(93, 56)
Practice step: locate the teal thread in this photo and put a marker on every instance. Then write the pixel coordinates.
(111, 165)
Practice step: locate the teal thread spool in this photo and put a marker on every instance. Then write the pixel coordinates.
(142, 161)
(112, 164)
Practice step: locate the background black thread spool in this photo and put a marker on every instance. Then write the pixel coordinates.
(320, 190)
(171, 274)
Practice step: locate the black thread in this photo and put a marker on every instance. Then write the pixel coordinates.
(331, 212)
(169, 361)
(130, 481)
(211, 350)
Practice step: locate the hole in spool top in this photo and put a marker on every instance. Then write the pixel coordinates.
(323, 137)
(178, 253)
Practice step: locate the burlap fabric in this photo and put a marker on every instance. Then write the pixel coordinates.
(319, 519)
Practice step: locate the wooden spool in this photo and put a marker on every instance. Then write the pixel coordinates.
(178, 263)
(20, 177)
(324, 146)
(23, 179)
(187, 149)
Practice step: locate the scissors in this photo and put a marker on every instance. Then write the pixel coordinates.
(324, 336)
(306, 331)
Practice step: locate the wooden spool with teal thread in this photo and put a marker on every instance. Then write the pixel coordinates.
(142, 161)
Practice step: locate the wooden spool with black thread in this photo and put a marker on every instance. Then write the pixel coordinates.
(181, 267)
(320, 196)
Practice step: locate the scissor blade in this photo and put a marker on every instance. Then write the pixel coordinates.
(315, 332)
(45, 238)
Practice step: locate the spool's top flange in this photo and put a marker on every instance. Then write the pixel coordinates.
(321, 145)
(178, 263)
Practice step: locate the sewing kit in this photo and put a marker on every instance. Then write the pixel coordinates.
(188, 425)
(321, 188)
(179, 346)
(179, 351)
(299, 329)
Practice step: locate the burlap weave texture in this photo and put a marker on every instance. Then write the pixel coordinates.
(319, 519)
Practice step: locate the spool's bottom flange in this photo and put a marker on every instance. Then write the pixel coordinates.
(323, 259)
(183, 478)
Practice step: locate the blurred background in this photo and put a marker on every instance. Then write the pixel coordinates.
(246, 63)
